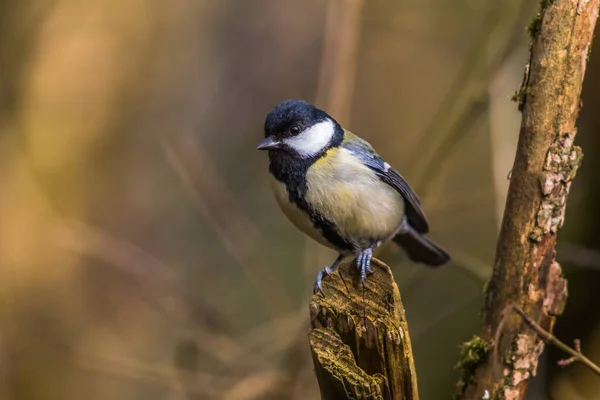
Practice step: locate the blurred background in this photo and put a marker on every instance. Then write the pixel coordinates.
(142, 255)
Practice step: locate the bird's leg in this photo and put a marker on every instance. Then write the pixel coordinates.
(363, 262)
(325, 272)
(370, 255)
(359, 260)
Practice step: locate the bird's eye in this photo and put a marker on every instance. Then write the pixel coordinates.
(295, 129)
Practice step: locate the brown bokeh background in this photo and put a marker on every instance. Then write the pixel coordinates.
(141, 253)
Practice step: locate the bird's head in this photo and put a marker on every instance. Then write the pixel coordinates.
(301, 129)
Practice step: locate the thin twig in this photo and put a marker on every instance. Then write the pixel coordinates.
(567, 361)
(576, 354)
(550, 338)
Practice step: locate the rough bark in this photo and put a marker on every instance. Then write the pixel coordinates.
(525, 271)
(359, 337)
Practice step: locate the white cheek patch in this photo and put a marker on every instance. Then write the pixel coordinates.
(312, 140)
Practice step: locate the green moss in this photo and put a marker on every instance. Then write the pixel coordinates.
(534, 27)
(519, 96)
(337, 361)
(472, 354)
(536, 24)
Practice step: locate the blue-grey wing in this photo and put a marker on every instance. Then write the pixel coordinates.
(414, 213)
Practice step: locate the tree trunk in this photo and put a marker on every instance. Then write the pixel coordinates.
(525, 271)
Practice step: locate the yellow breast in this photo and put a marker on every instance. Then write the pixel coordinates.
(350, 195)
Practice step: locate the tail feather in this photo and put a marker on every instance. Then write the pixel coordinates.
(421, 249)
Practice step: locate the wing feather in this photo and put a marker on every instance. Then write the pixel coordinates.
(365, 152)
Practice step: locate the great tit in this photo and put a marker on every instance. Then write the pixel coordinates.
(335, 188)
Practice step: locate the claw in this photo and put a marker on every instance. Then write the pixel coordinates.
(318, 287)
(323, 273)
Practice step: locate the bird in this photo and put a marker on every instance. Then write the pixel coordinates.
(333, 186)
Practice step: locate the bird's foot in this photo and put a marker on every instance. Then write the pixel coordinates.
(363, 263)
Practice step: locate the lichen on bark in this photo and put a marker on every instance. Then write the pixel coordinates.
(559, 170)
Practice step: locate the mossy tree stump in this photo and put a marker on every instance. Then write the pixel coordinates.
(359, 337)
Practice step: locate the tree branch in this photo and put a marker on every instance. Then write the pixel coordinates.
(525, 271)
(548, 337)
(359, 337)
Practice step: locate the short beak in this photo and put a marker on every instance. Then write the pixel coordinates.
(268, 144)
